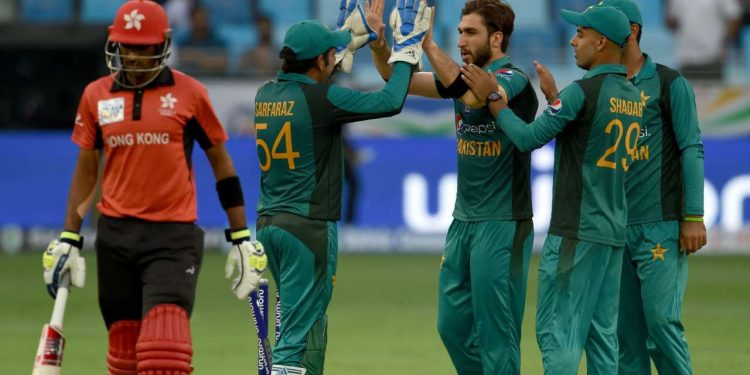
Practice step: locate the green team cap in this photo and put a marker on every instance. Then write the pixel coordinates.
(607, 20)
(312, 38)
(628, 8)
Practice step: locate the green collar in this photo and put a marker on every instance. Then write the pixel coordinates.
(606, 68)
(647, 70)
(303, 78)
(499, 63)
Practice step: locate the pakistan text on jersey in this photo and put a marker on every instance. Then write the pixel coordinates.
(473, 148)
(274, 109)
(130, 139)
(626, 107)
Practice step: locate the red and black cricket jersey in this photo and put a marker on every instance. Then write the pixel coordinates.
(147, 135)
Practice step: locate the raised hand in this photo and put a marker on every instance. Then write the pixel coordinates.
(546, 82)
(410, 21)
(352, 19)
(374, 17)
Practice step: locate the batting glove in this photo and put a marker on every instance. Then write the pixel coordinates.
(352, 18)
(250, 260)
(410, 21)
(63, 255)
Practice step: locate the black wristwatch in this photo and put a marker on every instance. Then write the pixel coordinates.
(494, 96)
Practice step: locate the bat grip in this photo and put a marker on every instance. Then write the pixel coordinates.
(62, 298)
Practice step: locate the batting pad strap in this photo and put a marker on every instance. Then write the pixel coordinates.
(230, 192)
(165, 346)
(121, 359)
(281, 369)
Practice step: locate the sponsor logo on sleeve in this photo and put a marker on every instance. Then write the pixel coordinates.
(555, 107)
(506, 74)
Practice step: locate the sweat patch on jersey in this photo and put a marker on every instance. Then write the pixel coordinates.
(111, 110)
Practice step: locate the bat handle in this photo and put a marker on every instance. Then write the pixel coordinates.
(62, 298)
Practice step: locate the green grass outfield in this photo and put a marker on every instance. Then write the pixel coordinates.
(382, 319)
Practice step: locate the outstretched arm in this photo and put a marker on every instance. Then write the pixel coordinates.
(423, 83)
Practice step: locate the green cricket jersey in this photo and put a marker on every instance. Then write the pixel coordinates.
(667, 170)
(298, 137)
(596, 121)
(493, 175)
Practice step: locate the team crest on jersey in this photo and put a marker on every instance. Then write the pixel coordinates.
(555, 107)
(167, 105)
(111, 110)
(506, 74)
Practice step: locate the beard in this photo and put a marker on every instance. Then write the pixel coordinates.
(481, 56)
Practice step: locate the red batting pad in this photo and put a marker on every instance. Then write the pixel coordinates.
(123, 335)
(164, 346)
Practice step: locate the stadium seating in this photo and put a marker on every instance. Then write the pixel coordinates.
(99, 11)
(239, 38)
(47, 11)
(234, 12)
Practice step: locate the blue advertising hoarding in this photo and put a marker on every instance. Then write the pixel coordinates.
(407, 185)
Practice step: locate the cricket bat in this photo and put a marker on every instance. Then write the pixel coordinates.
(49, 353)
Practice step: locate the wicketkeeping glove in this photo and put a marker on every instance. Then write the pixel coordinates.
(250, 260)
(410, 21)
(63, 255)
(352, 18)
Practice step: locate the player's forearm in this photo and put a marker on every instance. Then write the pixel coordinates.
(446, 69)
(82, 189)
(693, 175)
(526, 137)
(236, 217)
(227, 186)
(380, 56)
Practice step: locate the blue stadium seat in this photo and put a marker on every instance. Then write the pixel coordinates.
(228, 11)
(537, 43)
(652, 12)
(239, 38)
(47, 11)
(531, 13)
(99, 11)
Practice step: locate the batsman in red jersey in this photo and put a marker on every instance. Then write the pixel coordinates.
(145, 118)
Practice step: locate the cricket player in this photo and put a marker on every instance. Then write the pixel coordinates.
(145, 119)
(664, 191)
(596, 122)
(661, 230)
(482, 282)
(298, 120)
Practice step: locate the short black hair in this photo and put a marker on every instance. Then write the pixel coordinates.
(290, 64)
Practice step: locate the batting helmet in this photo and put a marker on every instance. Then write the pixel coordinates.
(139, 23)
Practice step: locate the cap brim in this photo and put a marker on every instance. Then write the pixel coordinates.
(574, 18)
(342, 38)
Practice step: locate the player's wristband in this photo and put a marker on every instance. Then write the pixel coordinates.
(692, 219)
(238, 235)
(72, 238)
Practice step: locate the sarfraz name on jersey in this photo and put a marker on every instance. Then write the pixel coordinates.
(140, 138)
